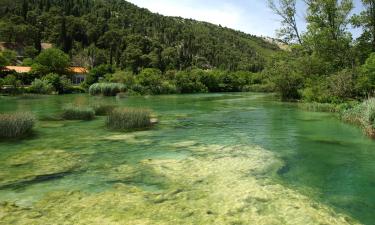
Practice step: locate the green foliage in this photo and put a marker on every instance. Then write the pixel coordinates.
(15, 125)
(51, 61)
(106, 89)
(41, 86)
(75, 112)
(341, 84)
(3, 61)
(98, 72)
(129, 118)
(31, 52)
(283, 72)
(189, 83)
(362, 115)
(366, 81)
(13, 83)
(10, 57)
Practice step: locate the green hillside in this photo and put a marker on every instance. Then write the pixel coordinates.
(96, 32)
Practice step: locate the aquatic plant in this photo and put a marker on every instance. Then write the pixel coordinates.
(320, 107)
(106, 89)
(75, 112)
(129, 118)
(103, 109)
(362, 115)
(13, 125)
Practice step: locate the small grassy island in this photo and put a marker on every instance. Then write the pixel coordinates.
(112, 114)
(16, 125)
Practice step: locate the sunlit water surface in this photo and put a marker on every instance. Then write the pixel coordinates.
(323, 158)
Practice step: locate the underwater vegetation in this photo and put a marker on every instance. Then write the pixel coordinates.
(76, 112)
(107, 89)
(13, 125)
(36, 165)
(226, 186)
(129, 118)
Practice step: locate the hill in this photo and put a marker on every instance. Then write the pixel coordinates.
(117, 32)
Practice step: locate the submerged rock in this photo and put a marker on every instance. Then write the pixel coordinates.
(139, 137)
(220, 187)
(36, 166)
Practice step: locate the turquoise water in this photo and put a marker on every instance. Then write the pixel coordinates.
(324, 159)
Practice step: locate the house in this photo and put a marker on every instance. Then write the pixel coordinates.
(77, 74)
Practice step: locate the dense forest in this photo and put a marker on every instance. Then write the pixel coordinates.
(325, 64)
(118, 33)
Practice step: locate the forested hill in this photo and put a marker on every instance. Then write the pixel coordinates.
(94, 32)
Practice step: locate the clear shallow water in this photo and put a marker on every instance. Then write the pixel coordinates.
(324, 159)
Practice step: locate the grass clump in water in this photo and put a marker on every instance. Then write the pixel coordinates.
(16, 124)
(106, 89)
(320, 107)
(102, 109)
(74, 112)
(129, 118)
(362, 115)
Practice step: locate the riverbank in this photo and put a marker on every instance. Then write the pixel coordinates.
(359, 114)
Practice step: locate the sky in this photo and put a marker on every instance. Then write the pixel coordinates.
(250, 16)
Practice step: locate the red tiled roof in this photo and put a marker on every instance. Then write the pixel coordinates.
(26, 69)
(77, 69)
(19, 69)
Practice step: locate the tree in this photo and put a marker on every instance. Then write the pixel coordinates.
(366, 82)
(366, 21)
(3, 61)
(327, 35)
(283, 72)
(10, 56)
(111, 39)
(51, 61)
(286, 9)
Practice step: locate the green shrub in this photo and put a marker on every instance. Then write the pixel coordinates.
(41, 87)
(16, 124)
(102, 109)
(106, 89)
(74, 112)
(129, 118)
(362, 115)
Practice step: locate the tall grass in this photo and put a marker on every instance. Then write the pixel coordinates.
(106, 89)
(128, 118)
(103, 109)
(320, 107)
(75, 112)
(362, 115)
(16, 124)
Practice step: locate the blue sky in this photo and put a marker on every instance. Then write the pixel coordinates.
(250, 16)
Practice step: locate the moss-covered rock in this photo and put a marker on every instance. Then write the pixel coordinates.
(227, 186)
(37, 165)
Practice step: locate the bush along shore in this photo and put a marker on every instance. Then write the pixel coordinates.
(16, 125)
(360, 114)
